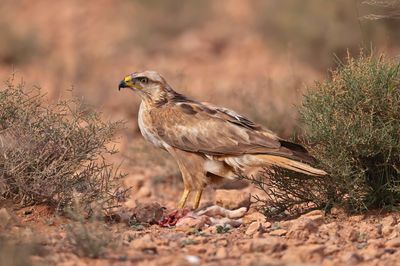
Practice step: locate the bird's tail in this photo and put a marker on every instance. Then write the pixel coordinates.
(289, 164)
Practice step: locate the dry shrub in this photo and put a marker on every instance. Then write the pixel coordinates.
(53, 154)
(290, 194)
(352, 123)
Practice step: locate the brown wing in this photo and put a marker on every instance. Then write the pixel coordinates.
(198, 127)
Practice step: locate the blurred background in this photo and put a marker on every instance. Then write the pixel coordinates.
(256, 57)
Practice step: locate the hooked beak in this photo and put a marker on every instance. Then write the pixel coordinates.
(122, 85)
(127, 82)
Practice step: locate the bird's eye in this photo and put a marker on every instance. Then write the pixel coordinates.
(143, 80)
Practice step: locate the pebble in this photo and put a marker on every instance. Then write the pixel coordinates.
(253, 217)
(192, 259)
(253, 228)
(278, 232)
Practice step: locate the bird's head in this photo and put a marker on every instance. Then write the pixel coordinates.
(147, 83)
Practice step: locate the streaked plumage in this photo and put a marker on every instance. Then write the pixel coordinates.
(209, 143)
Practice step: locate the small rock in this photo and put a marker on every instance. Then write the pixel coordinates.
(393, 243)
(232, 199)
(192, 259)
(266, 225)
(191, 222)
(302, 228)
(313, 213)
(221, 253)
(211, 230)
(253, 217)
(269, 244)
(149, 213)
(253, 228)
(389, 221)
(278, 232)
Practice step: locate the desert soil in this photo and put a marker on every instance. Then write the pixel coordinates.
(314, 238)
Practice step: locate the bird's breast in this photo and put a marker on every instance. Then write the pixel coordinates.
(146, 127)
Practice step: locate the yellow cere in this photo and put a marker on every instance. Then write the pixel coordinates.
(128, 79)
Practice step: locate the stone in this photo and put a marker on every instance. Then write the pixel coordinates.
(232, 199)
(266, 225)
(253, 228)
(193, 260)
(389, 221)
(302, 228)
(393, 243)
(317, 216)
(189, 222)
(278, 232)
(268, 244)
(253, 217)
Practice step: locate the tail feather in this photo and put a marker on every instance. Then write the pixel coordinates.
(290, 164)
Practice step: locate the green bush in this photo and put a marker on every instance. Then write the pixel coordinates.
(353, 120)
(53, 154)
(352, 127)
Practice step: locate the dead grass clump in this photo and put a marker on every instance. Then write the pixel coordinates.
(53, 154)
(88, 237)
(352, 123)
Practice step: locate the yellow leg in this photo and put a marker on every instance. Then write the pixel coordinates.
(198, 198)
(183, 199)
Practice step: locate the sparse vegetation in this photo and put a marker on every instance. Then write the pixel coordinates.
(222, 229)
(53, 154)
(352, 123)
(89, 238)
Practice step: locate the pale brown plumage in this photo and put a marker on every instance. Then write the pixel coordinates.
(209, 143)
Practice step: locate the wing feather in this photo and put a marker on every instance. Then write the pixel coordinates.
(203, 128)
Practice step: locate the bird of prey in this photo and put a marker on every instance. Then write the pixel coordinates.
(208, 142)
